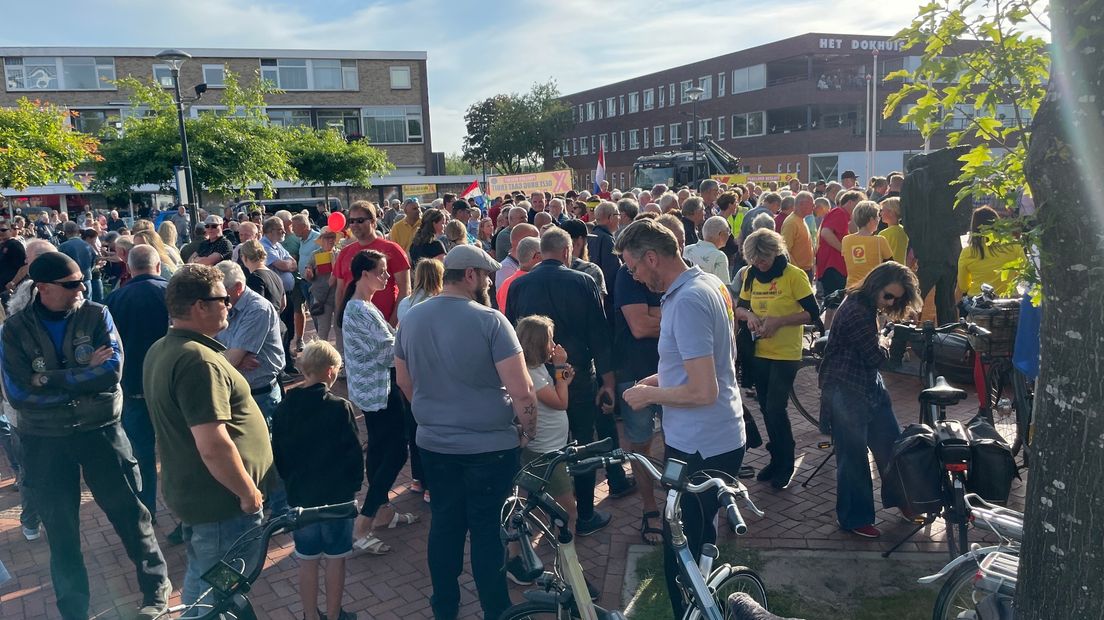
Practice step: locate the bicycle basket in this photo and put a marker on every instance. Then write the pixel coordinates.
(1001, 319)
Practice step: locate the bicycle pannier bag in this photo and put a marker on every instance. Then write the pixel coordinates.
(914, 474)
(993, 467)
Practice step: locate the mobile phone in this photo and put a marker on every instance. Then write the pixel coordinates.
(674, 473)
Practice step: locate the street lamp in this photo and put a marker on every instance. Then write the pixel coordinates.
(174, 59)
(695, 93)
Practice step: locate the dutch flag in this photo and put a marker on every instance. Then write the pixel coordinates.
(474, 194)
(600, 172)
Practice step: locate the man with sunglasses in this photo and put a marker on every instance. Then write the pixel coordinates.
(362, 223)
(215, 247)
(62, 363)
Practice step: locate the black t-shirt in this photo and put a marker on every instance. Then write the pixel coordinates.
(633, 358)
(267, 284)
(433, 249)
(12, 257)
(218, 246)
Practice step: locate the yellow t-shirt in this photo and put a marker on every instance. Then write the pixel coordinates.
(862, 253)
(403, 233)
(973, 271)
(798, 241)
(898, 242)
(779, 298)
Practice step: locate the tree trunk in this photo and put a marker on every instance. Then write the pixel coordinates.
(1062, 561)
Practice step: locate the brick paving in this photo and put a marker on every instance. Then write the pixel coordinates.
(397, 585)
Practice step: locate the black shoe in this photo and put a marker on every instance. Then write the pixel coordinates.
(176, 537)
(782, 477)
(516, 574)
(596, 522)
(623, 490)
(767, 472)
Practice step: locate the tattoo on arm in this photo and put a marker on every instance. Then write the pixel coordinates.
(530, 410)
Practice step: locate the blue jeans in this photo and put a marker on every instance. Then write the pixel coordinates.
(468, 493)
(139, 429)
(275, 494)
(860, 423)
(205, 544)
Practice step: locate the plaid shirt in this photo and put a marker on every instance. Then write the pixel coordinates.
(853, 354)
(369, 355)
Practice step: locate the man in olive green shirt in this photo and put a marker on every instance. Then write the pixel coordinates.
(214, 445)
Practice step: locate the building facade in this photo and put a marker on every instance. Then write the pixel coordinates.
(381, 95)
(792, 106)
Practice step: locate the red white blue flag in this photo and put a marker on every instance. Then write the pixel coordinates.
(600, 172)
(474, 194)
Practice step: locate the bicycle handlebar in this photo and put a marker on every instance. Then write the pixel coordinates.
(307, 516)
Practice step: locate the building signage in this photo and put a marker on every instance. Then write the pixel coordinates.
(759, 179)
(855, 45)
(557, 182)
(419, 190)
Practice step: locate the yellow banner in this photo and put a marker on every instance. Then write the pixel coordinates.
(419, 190)
(759, 179)
(557, 182)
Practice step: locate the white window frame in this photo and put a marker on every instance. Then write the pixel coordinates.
(662, 95)
(103, 82)
(705, 127)
(634, 102)
(649, 99)
(647, 137)
(583, 146)
(613, 142)
(621, 102)
(393, 72)
(671, 94)
(744, 76)
(309, 118)
(623, 142)
(747, 115)
(705, 83)
(268, 71)
(590, 111)
(721, 84)
(406, 113)
(574, 146)
(167, 72)
(657, 136)
(603, 141)
(675, 134)
(720, 128)
(689, 130)
(611, 107)
(634, 139)
(684, 86)
(221, 83)
(601, 110)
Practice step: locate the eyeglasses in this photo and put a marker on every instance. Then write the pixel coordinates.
(359, 220)
(890, 297)
(212, 225)
(225, 299)
(71, 285)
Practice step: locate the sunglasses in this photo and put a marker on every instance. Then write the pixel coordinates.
(225, 299)
(359, 220)
(71, 285)
(212, 225)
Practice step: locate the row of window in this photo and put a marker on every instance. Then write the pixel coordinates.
(98, 73)
(743, 80)
(741, 126)
(380, 124)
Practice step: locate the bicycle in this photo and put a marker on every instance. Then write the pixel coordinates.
(707, 588)
(230, 585)
(812, 352)
(981, 583)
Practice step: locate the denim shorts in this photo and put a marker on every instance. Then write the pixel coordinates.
(331, 539)
(639, 424)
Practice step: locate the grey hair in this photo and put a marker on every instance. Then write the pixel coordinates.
(644, 235)
(667, 200)
(708, 185)
(554, 241)
(763, 244)
(143, 259)
(763, 220)
(527, 248)
(715, 226)
(691, 206)
(605, 210)
(232, 274)
(300, 218)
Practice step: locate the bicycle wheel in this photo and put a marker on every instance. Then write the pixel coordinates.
(805, 383)
(742, 579)
(535, 611)
(1000, 399)
(956, 597)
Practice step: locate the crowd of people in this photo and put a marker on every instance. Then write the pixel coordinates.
(470, 339)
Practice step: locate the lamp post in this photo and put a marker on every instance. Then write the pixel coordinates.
(695, 93)
(176, 58)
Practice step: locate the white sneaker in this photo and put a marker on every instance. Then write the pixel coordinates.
(32, 533)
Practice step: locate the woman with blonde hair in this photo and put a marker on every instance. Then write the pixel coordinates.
(167, 231)
(455, 234)
(428, 281)
(169, 263)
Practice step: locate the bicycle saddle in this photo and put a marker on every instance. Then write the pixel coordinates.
(942, 394)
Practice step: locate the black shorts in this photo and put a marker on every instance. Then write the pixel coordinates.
(832, 281)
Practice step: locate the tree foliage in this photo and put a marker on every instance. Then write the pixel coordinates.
(993, 89)
(513, 132)
(37, 146)
(324, 157)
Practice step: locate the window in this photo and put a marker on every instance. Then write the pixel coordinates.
(574, 146)
(649, 99)
(689, 130)
(582, 113)
(749, 78)
(670, 94)
(400, 77)
(214, 75)
(676, 139)
(634, 103)
(289, 118)
(390, 124)
(685, 86)
(162, 74)
(720, 128)
(347, 122)
(657, 135)
(706, 83)
(662, 96)
(59, 73)
(647, 136)
(613, 142)
(92, 122)
(720, 85)
(621, 102)
(750, 124)
(703, 127)
(604, 140)
(634, 139)
(583, 146)
(594, 144)
(611, 107)
(590, 110)
(624, 143)
(601, 110)
(319, 74)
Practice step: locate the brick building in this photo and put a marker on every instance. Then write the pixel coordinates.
(792, 106)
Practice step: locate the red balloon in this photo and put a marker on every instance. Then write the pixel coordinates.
(336, 221)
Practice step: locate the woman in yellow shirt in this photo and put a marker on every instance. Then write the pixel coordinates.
(981, 261)
(864, 250)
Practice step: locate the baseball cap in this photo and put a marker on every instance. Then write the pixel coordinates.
(213, 219)
(848, 174)
(575, 228)
(468, 256)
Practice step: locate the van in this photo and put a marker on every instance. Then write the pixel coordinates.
(295, 205)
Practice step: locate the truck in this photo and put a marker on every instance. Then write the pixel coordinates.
(687, 166)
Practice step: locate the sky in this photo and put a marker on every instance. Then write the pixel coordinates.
(475, 49)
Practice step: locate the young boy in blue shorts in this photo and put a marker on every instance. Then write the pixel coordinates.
(318, 455)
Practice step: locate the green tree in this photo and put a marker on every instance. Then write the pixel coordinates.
(37, 146)
(552, 120)
(517, 132)
(323, 157)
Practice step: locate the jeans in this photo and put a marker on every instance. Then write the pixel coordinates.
(386, 453)
(139, 430)
(773, 381)
(468, 493)
(698, 511)
(275, 494)
(9, 438)
(205, 544)
(858, 423)
(53, 467)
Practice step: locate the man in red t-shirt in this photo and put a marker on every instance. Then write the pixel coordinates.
(830, 268)
(362, 222)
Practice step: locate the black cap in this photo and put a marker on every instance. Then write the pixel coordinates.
(575, 228)
(51, 267)
(848, 174)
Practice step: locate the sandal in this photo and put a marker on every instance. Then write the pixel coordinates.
(403, 518)
(371, 545)
(647, 528)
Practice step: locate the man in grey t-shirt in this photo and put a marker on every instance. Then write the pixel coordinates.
(461, 366)
(696, 383)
